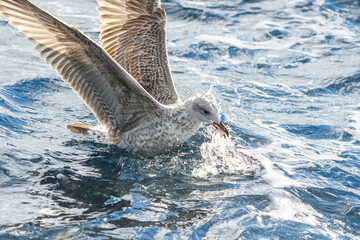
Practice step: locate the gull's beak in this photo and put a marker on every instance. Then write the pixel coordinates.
(222, 127)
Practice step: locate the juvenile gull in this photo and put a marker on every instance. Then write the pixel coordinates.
(144, 115)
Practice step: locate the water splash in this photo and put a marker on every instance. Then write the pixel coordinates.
(221, 156)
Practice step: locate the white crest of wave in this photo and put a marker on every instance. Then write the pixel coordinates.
(285, 207)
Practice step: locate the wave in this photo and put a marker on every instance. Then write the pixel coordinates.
(342, 85)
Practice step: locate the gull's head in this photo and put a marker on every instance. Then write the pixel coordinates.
(205, 110)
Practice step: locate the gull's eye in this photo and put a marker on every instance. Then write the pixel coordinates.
(206, 112)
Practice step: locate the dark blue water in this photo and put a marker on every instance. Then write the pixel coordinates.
(287, 77)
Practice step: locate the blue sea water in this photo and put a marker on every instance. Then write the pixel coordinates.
(287, 77)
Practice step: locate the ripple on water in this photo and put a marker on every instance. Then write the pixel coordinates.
(12, 124)
(342, 85)
(318, 132)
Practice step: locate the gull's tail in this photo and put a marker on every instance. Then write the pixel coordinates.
(97, 133)
(79, 128)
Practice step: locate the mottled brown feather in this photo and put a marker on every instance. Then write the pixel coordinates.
(133, 33)
(115, 97)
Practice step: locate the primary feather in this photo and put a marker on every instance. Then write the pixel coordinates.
(133, 33)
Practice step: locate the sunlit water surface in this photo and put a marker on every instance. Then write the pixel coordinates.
(286, 74)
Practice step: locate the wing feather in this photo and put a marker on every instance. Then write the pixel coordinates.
(115, 97)
(133, 33)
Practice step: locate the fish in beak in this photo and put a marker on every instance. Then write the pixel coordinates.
(222, 128)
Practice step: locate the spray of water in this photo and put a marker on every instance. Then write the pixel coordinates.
(221, 156)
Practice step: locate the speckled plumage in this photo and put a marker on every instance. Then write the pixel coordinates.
(127, 81)
(133, 33)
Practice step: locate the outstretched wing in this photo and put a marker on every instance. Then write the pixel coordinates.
(118, 100)
(133, 33)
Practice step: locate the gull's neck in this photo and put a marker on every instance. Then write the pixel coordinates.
(183, 116)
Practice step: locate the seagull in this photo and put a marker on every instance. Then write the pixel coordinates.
(126, 80)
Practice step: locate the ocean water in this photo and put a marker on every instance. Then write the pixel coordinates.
(287, 77)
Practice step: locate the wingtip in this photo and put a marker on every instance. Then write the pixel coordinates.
(160, 8)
